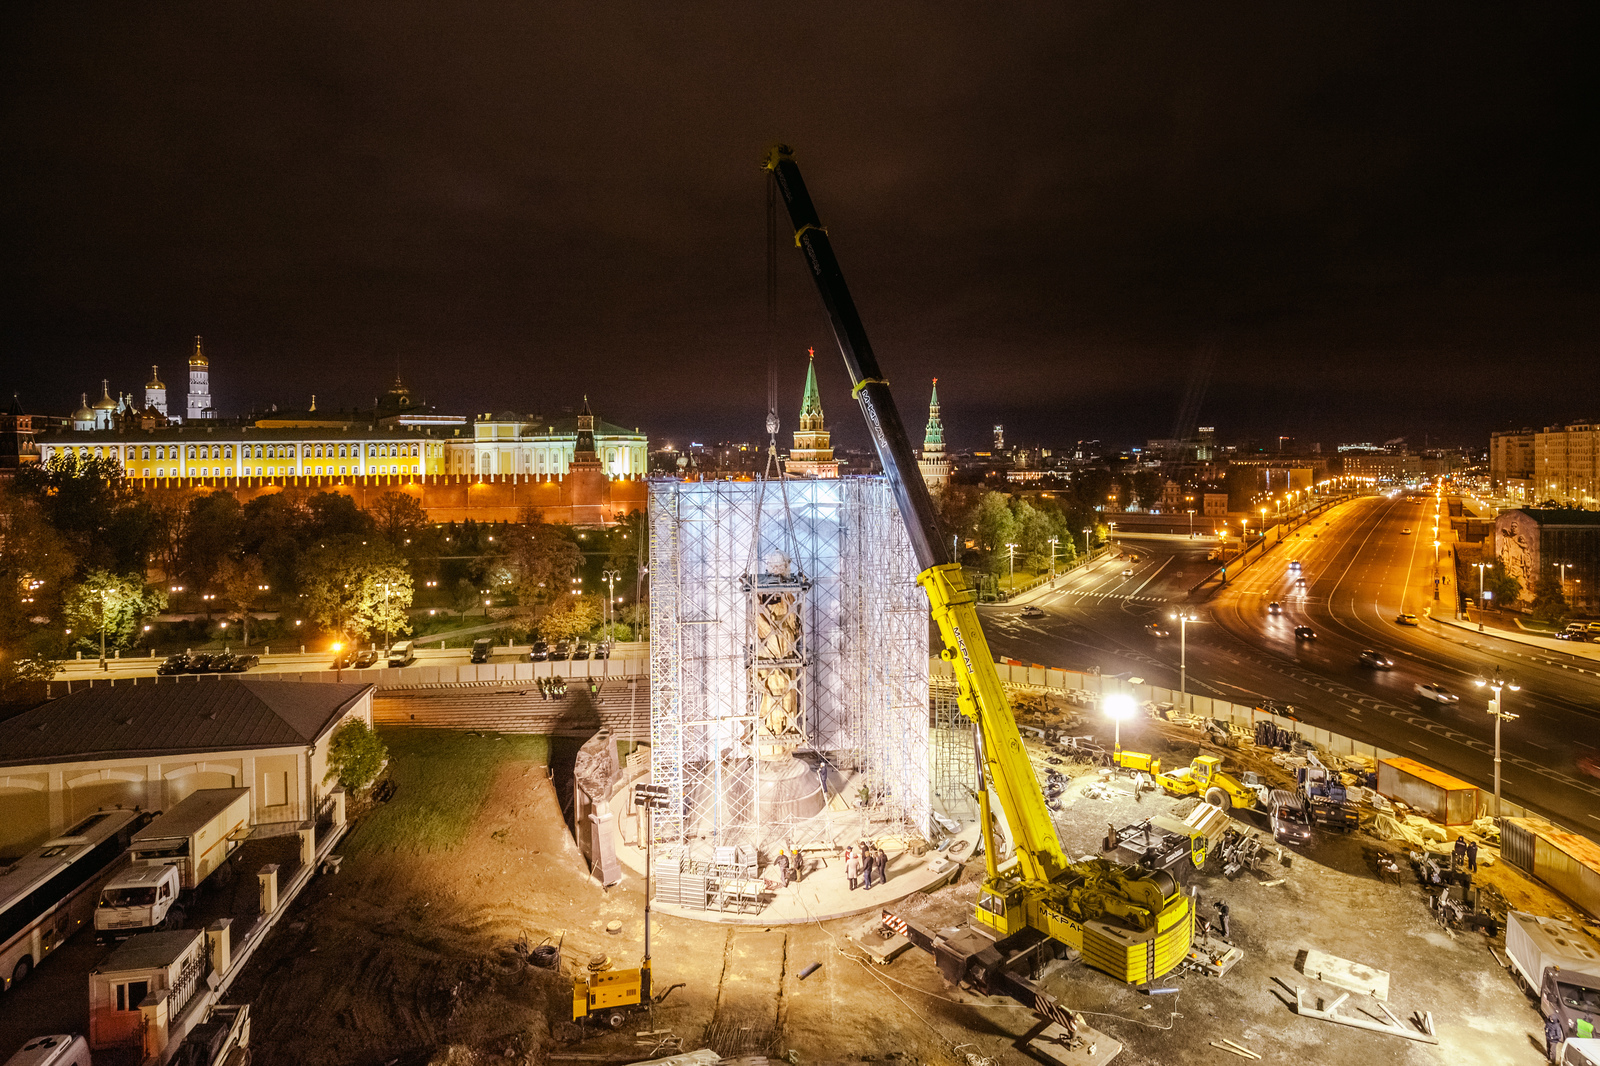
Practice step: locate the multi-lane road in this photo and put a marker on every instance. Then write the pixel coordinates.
(1363, 563)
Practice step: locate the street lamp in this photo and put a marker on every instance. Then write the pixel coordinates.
(1053, 542)
(1011, 563)
(1086, 542)
(610, 578)
(1119, 706)
(1191, 523)
(1497, 681)
(1183, 618)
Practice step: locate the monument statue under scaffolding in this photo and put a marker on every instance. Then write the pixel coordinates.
(789, 648)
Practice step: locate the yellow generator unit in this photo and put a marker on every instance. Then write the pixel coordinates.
(606, 996)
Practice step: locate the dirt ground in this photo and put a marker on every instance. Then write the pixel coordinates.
(403, 959)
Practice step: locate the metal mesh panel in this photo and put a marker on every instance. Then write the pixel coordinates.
(864, 681)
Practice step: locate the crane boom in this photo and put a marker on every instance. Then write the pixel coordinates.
(953, 603)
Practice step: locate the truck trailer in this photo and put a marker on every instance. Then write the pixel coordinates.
(1555, 962)
(172, 856)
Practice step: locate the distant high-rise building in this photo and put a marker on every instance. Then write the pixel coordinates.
(199, 384)
(999, 439)
(812, 454)
(934, 465)
(155, 393)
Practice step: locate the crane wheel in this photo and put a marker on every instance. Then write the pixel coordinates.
(1218, 798)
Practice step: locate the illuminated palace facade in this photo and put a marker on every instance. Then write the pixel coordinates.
(491, 447)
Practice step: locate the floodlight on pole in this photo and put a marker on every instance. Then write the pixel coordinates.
(1497, 681)
(1118, 705)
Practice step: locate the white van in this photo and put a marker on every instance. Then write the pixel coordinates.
(404, 653)
(62, 1050)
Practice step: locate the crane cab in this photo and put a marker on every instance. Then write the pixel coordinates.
(1000, 908)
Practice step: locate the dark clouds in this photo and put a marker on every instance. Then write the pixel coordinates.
(1381, 217)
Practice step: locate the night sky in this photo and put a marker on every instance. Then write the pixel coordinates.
(1378, 220)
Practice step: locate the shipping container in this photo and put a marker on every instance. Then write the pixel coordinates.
(1428, 791)
(1566, 862)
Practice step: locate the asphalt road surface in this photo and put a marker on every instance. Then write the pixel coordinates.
(1361, 570)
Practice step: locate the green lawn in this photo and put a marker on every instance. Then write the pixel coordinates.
(442, 778)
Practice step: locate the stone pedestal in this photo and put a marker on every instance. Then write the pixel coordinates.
(269, 887)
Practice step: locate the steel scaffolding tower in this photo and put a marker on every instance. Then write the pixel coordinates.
(857, 662)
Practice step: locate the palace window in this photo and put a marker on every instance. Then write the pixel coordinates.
(191, 451)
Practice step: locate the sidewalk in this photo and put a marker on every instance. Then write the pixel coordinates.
(1573, 648)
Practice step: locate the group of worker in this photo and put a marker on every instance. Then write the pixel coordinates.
(868, 861)
(863, 863)
(1465, 855)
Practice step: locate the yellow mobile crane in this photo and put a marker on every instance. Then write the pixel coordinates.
(1133, 924)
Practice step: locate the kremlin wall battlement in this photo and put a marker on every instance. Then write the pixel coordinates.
(577, 499)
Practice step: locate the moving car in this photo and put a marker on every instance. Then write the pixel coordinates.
(1304, 633)
(1299, 582)
(1294, 564)
(1156, 629)
(1031, 611)
(481, 648)
(1127, 571)
(1437, 693)
(1405, 532)
(1274, 607)
(1375, 660)
(1405, 618)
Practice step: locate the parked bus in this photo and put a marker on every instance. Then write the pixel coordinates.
(51, 892)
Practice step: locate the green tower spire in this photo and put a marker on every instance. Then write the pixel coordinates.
(811, 404)
(935, 431)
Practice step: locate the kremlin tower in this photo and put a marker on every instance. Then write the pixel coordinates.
(199, 385)
(933, 464)
(812, 454)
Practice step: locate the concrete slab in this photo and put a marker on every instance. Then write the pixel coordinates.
(1091, 1048)
(1342, 973)
(881, 951)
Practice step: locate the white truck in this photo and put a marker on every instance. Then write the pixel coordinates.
(172, 856)
(1555, 962)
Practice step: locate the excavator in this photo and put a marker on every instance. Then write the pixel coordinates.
(1131, 923)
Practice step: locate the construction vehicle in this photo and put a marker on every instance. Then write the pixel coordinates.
(1136, 761)
(1205, 777)
(1553, 961)
(1134, 924)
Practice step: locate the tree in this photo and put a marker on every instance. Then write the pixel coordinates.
(356, 755)
(241, 582)
(353, 589)
(569, 617)
(1549, 601)
(211, 532)
(1147, 486)
(398, 517)
(35, 567)
(105, 609)
(92, 506)
(544, 558)
(330, 516)
(1504, 586)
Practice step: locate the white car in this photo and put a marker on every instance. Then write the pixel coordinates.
(1127, 571)
(1437, 693)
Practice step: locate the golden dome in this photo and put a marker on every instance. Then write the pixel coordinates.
(105, 402)
(155, 379)
(199, 356)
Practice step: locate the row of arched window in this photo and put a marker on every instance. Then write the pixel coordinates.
(257, 451)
